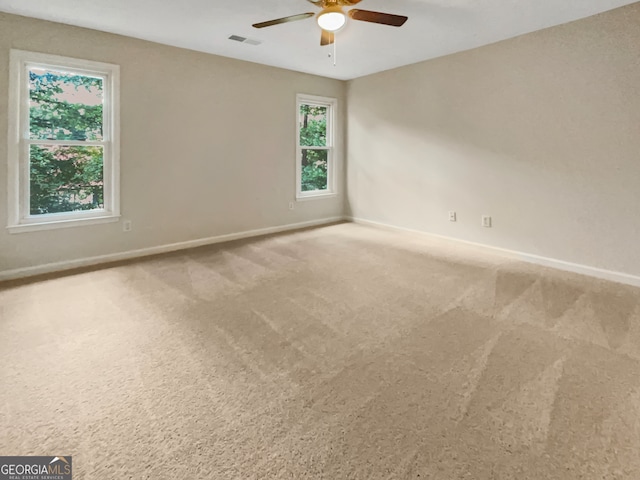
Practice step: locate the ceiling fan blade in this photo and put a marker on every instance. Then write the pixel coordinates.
(317, 3)
(278, 21)
(348, 3)
(327, 38)
(378, 17)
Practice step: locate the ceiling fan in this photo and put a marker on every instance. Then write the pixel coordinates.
(332, 18)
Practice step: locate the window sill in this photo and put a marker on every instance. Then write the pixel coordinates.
(315, 196)
(66, 223)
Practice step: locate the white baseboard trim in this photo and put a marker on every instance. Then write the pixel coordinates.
(604, 274)
(601, 273)
(143, 252)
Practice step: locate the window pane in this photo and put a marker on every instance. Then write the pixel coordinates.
(65, 178)
(313, 126)
(314, 170)
(64, 106)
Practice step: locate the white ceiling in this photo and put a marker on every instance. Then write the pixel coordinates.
(434, 28)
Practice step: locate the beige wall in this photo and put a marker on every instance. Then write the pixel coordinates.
(207, 144)
(542, 132)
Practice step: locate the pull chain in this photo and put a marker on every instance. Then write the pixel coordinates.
(335, 49)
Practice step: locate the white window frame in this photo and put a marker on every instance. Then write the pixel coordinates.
(332, 158)
(20, 219)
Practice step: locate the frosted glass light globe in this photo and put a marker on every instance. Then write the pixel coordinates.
(332, 20)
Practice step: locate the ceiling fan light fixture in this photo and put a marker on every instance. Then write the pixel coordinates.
(332, 19)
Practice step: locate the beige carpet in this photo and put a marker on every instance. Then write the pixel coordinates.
(343, 352)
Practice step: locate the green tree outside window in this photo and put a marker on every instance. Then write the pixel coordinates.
(313, 133)
(65, 107)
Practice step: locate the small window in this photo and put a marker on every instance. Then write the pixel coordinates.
(63, 144)
(315, 153)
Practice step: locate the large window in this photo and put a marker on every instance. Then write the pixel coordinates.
(316, 136)
(63, 145)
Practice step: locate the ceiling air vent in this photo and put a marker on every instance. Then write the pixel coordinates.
(250, 41)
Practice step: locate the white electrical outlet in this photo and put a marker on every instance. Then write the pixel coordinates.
(486, 221)
(126, 226)
(452, 216)
(292, 205)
